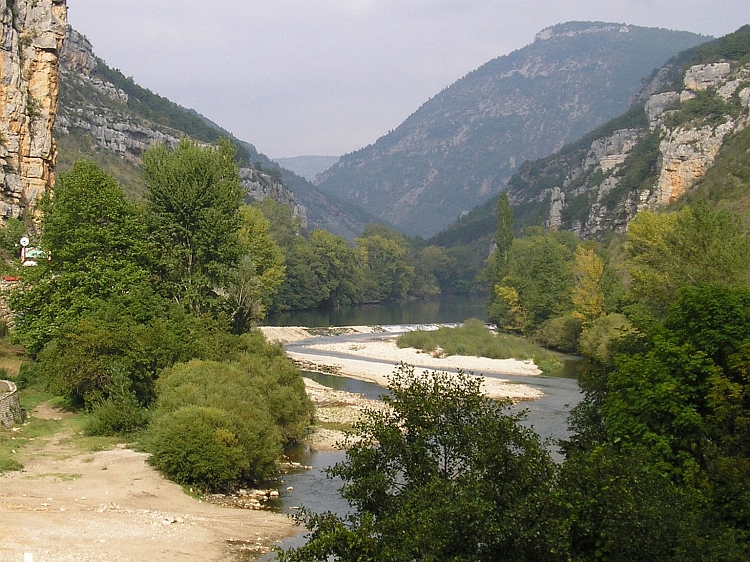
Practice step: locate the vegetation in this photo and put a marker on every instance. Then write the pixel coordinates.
(475, 338)
(444, 474)
(131, 318)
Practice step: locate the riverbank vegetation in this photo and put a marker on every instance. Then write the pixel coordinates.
(142, 317)
(475, 338)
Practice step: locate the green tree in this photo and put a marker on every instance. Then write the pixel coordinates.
(259, 273)
(388, 273)
(695, 245)
(588, 296)
(98, 248)
(443, 474)
(504, 232)
(193, 211)
(538, 281)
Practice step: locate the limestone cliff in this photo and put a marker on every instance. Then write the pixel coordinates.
(96, 116)
(646, 159)
(32, 34)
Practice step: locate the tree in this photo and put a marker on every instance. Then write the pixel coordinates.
(588, 296)
(388, 272)
(98, 249)
(443, 474)
(695, 245)
(193, 202)
(504, 233)
(259, 273)
(538, 281)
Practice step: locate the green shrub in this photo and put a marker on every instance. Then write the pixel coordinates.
(262, 395)
(598, 341)
(199, 446)
(119, 414)
(560, 333)
(475, 338)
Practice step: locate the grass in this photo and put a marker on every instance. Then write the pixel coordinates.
(476, 339)
(21, 443)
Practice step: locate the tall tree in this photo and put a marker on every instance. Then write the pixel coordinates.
(97, 244)
(259, 273)
(588, 296)
(193, 201)
(504, 232)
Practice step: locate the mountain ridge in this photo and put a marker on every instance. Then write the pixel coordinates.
(461, 146)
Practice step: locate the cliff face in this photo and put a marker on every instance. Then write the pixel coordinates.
(95, 116)
(31, 37)
(463, 145)
(646, 159)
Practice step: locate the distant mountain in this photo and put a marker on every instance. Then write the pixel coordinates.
(687, 136)
(108, 118)
(307, 166)
(461, 147)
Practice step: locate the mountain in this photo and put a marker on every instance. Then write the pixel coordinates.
(686, 136)
(463, 145)
(307, 166)
(108, 118)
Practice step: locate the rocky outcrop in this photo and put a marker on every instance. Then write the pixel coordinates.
(32, 37)
(688, 151)
(463, 145)
(97, 110)
(597, 189)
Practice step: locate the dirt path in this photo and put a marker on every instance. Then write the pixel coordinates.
(110, 505)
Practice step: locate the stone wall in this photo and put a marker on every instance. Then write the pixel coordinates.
(10, 407)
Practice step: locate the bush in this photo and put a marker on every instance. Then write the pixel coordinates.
(262, 395)
(560, 333)
(598, 342)
(199, 446)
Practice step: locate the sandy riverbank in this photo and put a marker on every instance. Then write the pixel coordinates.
(373, 360)
(70, 505)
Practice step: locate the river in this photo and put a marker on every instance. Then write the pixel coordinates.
(311, 488)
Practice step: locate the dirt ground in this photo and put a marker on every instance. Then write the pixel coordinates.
(110, 505)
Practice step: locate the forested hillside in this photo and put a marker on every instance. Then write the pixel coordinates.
(108, 118)
(684, 139)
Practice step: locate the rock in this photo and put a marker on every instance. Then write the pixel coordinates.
(33, 32)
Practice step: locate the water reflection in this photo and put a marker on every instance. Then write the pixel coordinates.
(367, 389)
(444, 309)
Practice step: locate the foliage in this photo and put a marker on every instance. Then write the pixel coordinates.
(201, 446)
(193, 213)
(588, 295)
(444, 474)
(259, 273)
(232, 411)
(475, 338)
(560, 333)
(538, 281)
(599, 341)
(707, 107)
(98, 246)
(695, 245)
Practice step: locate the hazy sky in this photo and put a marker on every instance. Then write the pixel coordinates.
(326, 77)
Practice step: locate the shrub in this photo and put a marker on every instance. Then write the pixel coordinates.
(199, 446)
(598, 341)
(560, 333)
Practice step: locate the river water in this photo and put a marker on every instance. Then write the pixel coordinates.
(312, 488)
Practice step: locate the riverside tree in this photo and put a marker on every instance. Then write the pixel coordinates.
(193, 212)
(97, 242)
(443, 474)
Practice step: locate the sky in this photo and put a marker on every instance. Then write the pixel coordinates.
(327, 77)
